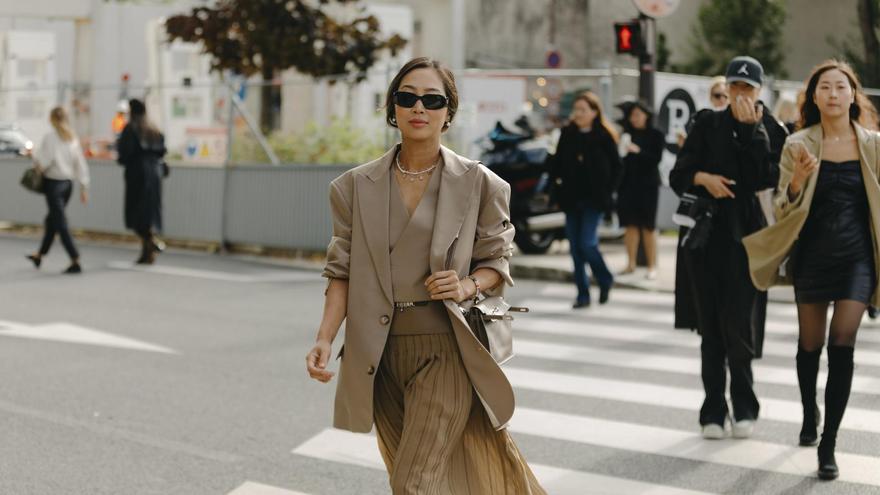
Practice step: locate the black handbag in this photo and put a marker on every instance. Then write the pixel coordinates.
(32, 180)
(695, 214)
(490, 322)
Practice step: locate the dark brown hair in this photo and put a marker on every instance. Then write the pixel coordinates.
(861, 111)
(423, 63)
(143, 126)
(593, 101)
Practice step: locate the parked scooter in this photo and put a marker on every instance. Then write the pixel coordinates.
(519, 158)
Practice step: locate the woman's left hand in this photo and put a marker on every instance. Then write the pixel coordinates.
(446, 285)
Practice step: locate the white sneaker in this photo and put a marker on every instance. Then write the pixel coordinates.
(651, 275)
(743, 428)
(712, 431)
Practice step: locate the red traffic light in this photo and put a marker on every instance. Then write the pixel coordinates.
(628, 37)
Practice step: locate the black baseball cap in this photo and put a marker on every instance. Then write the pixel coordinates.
(745, 69)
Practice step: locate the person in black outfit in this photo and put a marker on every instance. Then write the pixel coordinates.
(834, 258)
(141, 147)
(726, 158)
(587, 168)
(640, 188)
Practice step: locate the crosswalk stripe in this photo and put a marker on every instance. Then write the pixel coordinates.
(749, 454)
(650, 298)
(670, 397)
(670, 337)
(666, 317)
(290, 276)
(360, 449)
(251, 488)
(674, 364)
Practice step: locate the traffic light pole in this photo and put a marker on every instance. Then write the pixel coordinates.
(647, 60)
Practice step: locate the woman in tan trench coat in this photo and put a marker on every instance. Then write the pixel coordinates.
(415, 233)
(825, 240)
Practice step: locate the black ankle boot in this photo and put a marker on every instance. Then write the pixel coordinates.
(827, 463)
(807, 370)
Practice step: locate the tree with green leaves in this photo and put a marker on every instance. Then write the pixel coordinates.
(863, 53)
(727, 28)
(266, 37)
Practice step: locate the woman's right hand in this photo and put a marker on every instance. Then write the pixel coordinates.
(715, 184)
(316, 361)
(804, 166)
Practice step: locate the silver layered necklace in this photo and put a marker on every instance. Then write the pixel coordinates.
(414, 176)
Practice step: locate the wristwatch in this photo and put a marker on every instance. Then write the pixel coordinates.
(476, 282)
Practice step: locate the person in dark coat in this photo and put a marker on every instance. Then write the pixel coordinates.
(639, 190)
(586, 167)
(141, 150)
(725, 160)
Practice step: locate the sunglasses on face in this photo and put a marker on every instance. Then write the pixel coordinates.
(406, 99)
(719, 96)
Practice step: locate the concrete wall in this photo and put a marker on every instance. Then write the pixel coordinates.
(283, 207)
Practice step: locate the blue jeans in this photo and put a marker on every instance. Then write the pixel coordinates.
(582, 230)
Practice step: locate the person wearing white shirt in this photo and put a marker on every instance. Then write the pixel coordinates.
(60, 160)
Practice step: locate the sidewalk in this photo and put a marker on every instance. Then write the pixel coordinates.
(556, 265)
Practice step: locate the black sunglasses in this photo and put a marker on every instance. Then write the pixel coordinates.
(406, 99)
(719, 95)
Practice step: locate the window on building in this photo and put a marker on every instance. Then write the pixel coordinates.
(30, 68)
(31, 108)
(185, 62)
(186, 107)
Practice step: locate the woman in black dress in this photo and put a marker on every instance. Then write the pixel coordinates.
(640, 187)
(141, 150)
(834, 259)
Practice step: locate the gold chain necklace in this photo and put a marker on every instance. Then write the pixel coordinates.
(413, 176)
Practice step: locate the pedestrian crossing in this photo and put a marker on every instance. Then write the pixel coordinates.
(608, 394)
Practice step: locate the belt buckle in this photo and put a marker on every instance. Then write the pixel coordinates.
(403, 305)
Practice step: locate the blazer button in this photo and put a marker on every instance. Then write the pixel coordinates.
(384, 320)
(371, 370)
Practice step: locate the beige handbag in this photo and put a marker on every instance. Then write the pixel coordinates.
(490, 323)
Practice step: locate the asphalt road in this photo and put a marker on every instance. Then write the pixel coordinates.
(188, 378)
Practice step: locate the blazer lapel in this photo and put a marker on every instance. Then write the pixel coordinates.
(373, 195)
(453, 203)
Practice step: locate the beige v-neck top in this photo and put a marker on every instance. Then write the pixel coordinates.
(409, 238)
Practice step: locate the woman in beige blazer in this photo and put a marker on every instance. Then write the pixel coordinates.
(415, 233)
(825, 239)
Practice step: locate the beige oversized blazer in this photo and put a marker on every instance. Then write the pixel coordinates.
(472, 229)
(769, 248)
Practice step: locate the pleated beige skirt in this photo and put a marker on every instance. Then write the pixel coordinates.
(434, 434)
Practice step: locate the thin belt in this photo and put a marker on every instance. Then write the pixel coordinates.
(404, 305)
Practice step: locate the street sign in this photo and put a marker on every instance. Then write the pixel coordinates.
(656, 8)
(554, 59)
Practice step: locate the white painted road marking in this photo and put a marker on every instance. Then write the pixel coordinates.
(855, 419)
(360, 449)
(251, 488)
(287, 276)
(749, 454)
(674, 364)
(75, 334)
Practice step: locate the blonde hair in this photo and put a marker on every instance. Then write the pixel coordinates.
(58, 119)
(786, 110)
(716, 81)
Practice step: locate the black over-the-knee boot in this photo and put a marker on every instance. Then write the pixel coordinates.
(840, 374)
(807, 370)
